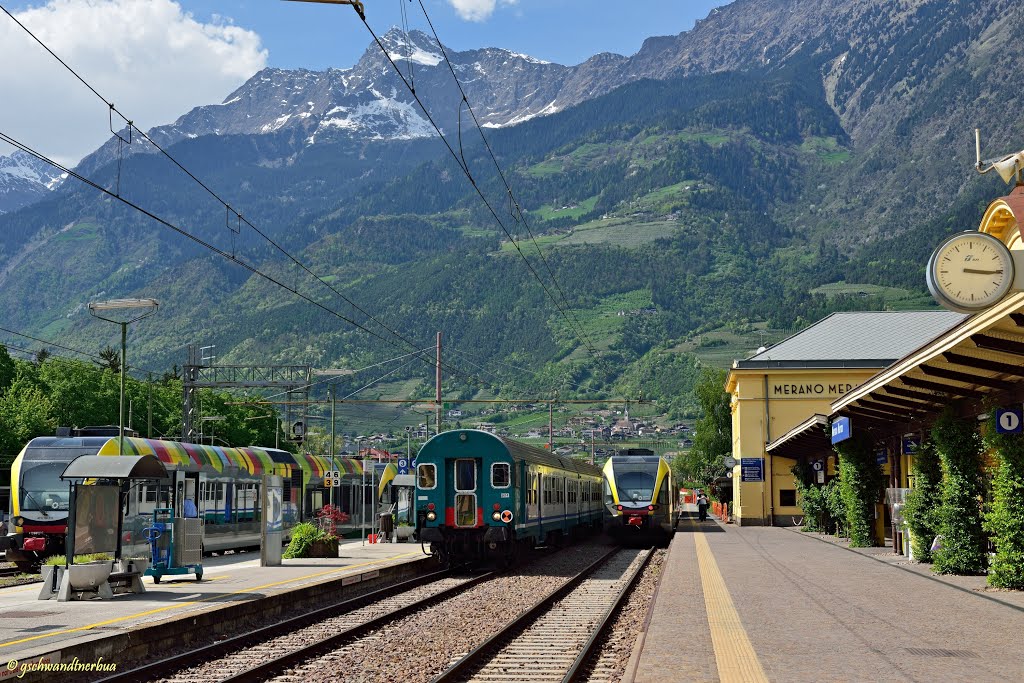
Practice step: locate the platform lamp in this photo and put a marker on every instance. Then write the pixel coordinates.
(136, 310)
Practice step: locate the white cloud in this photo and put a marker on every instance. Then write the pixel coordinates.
(477, 10)
(148, 57)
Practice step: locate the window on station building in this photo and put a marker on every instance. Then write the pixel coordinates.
(787, 497)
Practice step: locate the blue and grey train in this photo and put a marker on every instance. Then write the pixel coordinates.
(481, 497)
(639, 498)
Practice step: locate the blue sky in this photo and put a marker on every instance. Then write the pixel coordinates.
(157, 59)
(317, 36)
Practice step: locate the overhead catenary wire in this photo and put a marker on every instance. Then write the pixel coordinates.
(240, 218)
(519, 215)
(460, 160)
(93, 356)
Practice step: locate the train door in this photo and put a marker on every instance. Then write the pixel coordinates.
(203, 496)
(465, 502)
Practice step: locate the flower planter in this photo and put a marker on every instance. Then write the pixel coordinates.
(324, 549)
(85, 577)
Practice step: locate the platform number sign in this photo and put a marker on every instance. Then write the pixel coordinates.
(1009, 421)
(403, 466)
(332, 478)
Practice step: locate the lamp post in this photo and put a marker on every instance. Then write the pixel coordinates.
(99, 310)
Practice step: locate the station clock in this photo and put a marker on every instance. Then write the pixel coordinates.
(970, 272)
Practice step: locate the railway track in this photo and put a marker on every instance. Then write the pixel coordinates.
(253, 655)
(9, 571)
(553, 640)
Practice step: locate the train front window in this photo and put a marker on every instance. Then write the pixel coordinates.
(426, 476)
(634, 484)
(465, 475)
(41, 487)
(465, 509)
(500, 475)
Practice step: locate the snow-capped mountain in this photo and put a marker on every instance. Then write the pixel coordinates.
(369, 101)
(24, 180)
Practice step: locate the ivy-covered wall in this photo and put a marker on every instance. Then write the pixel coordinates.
(1005, 518)
(860, 483)
(921, 509)
(959, 445)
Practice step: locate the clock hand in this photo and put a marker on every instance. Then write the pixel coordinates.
(982, 272)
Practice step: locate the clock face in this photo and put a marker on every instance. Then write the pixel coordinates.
(970, 272)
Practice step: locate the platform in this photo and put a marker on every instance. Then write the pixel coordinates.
(234, 588)
(776, 604)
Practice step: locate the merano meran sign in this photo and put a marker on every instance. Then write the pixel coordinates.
(812, 389)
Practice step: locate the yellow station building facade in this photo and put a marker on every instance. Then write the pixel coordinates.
(777, 389)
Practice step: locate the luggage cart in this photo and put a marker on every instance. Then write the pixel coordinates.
(176, 545)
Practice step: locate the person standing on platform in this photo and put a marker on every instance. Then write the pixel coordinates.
(702, 506)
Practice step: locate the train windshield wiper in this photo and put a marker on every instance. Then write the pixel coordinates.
(42, 510)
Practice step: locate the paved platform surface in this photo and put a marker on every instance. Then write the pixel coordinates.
(31, 627)
(761, 603)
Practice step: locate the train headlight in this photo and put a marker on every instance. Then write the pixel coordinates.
(496, 516)
(19, 521)
(431, 516)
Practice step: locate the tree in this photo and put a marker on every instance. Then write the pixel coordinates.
(42, 355)
(24, 415)
(110, 359)
(7, 369)
(712, 438)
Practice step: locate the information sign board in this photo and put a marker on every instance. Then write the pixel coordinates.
(751, 469)
(841, 430)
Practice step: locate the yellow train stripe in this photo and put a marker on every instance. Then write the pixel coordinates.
(735, 656)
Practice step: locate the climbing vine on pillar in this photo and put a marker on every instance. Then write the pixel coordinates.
(962, 548)
(1005, 519)
(860, 482)
(922, 508)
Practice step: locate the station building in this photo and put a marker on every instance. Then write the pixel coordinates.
(793, 383)
(975, 365)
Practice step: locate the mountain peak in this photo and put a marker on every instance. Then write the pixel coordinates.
(413, 46)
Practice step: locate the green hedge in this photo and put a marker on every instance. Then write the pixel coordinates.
(963, 540)
(1005, 519)
(860, 483)
(922, 505)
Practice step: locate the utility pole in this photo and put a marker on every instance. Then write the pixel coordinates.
(551, 428)
(149, 417)
(437, 396)
(334, 405)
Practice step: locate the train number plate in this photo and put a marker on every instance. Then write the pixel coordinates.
(506, 495)
(421, 498)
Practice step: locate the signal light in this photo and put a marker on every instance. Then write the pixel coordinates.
(650, 507)
(430, 506)
(619, 508)
(497, 506)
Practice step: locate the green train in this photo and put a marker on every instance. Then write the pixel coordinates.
(481, 497)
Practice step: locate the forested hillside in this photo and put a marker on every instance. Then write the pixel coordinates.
(712, 203)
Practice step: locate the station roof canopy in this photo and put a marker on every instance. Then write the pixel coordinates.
(809, 438)
(115, 467)
(977, 364)
(866, 339)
